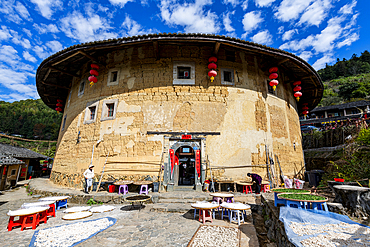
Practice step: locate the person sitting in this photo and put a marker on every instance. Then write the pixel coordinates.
(256, 180)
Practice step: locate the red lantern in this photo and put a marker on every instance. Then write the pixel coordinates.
(297, 95)
(305, 113)
(94, 72)
(297, 88)
(274, 83)
(45, 161)
(92, 79)
(212, 74)
(212, 59)
(273, 76)
(297, 83)
(94, 66)
(212, 66)
(59, 105)
(273, 70)
(58, 109)
(305, 108)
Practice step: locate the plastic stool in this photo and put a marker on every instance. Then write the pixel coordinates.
(265, 188)
(247, 189)
(51, 210)
(61, 204)
(144, 189)
(123, 189)
(238, 216)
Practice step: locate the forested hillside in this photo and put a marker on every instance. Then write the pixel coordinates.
(30, 119)
(347, 80)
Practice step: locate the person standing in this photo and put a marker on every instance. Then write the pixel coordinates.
(256, 180)
(89, 175)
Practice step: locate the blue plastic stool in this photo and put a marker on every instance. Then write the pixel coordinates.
(61, 204)
(277, 200)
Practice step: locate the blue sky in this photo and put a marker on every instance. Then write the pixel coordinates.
(319, 31)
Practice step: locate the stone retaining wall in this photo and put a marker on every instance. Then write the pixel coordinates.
(275, 228)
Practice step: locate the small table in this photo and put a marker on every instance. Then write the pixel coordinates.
(61, 201)
(225, 197)
(50, 204)
(204, 210)
(235, 208)
(29, 217)
(225, 182)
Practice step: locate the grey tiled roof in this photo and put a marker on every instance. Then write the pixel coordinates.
(8, 160)
(360, 103)
(18, 152)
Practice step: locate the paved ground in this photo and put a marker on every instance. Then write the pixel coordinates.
(147, 227)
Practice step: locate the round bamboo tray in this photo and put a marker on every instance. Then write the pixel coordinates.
(301, 200)
(77, 216)
(291, 192)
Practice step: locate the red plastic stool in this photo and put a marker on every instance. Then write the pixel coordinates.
(265, 188)
(42, 217)
(30, 221)
(51, 210)
(205, 214)
(247, 189)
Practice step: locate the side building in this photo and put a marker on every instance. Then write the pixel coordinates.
(156, 112)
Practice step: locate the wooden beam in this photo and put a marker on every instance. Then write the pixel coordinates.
(93, 59)
(60, 61)
(54, 85)
(217, 47)
(283, 61)
(47, 74)
(63, 71)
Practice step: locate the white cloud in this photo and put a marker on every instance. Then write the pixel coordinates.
(244, 5)
(43, 28)
(348, 8)
(84, 29)
(263, 3)
(290, 9)
(28, 32)
(22, 10)
(326, 59)
(227, 22)
(280, 30)
(4, 33)
(305, 55)
(9, 55)
(54, 45)
(41, 51)
(120, 3)
(298, 45)
(29, 57)
(316, 13)
(133, 28)
(349, 40)
(48, 7)
(251, 21)
(11, 97)
(17, 81)
(289, 34)
(232, 2)
(14, 12)
(263, 37)
(191, 16)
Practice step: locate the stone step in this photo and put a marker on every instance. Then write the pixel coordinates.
(183, 188)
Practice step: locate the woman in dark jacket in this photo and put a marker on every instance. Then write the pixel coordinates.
(256, 179)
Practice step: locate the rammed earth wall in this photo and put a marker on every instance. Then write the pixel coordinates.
(244, 113)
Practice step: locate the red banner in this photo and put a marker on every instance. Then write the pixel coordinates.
(172, 160)
(197, 162)
(186, 137)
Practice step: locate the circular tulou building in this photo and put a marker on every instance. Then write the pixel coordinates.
(177, 107)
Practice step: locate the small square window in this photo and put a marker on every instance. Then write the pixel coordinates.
(227, 76)
(183, 72)
(64, 122)
(91, 112)
(12, 173)
(82, 88)
(109, 109)
(113, 77)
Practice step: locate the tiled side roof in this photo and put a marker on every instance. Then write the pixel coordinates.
(8, 160)
(18, 152)
(342, 106)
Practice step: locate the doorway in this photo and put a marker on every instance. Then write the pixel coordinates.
(186, 159)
